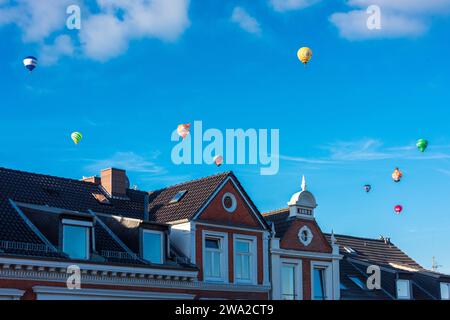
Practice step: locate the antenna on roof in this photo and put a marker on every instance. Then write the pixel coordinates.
(435, 266)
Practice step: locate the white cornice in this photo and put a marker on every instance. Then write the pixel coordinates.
(50, 271)
(305, 254)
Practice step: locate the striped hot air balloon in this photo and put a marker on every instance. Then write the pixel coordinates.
(76, 137)
(30, 63)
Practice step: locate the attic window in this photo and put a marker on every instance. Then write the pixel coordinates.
(101, 198)
(178, 196)
(350, 250)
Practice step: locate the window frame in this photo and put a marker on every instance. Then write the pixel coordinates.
(298, 284)
(163, 251)
(253, 254)
(87, 226)
(328, 278)
(223, 238)
(408, 297)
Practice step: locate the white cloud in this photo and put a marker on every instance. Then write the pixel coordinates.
(128, 161)
(36, 19)
(105, 33)
(289, 5)
(108, 34)
(399, 18)
(370, 150)
(245, 21)
(62, 46)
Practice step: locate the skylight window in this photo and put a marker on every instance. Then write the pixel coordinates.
(358, 282)
(178, 196)
(101, 198)
(349, 250)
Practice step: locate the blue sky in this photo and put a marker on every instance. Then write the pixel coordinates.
(134, 72)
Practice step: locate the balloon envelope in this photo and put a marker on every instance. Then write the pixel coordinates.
(304, 54)
(30, 63)
(183, 130)
(397, 175)
(76, 137)
(398, 208)
(422, 145)
(367, 187)
(218, 160)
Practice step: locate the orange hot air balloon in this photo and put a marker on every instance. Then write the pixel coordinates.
(397, 175)
(183, 130)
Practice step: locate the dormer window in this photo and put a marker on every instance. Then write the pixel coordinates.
(403, 289)
(153, 246)
(76, 239)
(445, 291)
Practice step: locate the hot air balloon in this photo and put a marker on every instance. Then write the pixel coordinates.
(422, 145)
(304, 54)
(367, 187)
(398, 209)
(76, 137)
(30, 63)
(218, 160)
(183, 130)
(397, 175)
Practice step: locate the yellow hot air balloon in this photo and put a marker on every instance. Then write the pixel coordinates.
(76, 137)
(304, 54)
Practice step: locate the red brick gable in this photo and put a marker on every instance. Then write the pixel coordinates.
(242, 216)
(291, 241)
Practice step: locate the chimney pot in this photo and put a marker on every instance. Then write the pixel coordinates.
(115, 181)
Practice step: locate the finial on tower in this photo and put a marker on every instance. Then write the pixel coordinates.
(303, 183)
(333, 238)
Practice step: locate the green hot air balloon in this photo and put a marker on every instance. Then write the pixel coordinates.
(76, 137)
(422, 144)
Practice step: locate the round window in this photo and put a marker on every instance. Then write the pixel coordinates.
(305, 235)
(229, 202)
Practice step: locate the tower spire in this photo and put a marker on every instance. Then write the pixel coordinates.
(303, 183)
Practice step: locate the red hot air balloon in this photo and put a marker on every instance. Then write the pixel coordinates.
(398, 209)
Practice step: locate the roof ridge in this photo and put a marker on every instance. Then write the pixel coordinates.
(45, 175)
(272, 212)
(226, 173)
(356, 237)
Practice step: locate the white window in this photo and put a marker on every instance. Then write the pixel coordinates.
(291, 286)
(245, 259)
(215, 256)
(76, 238)
(288, 282)
(445, 291)
(403, 289)
(153, 246)
(321, 281)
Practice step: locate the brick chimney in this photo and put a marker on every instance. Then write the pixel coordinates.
(115, 181)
